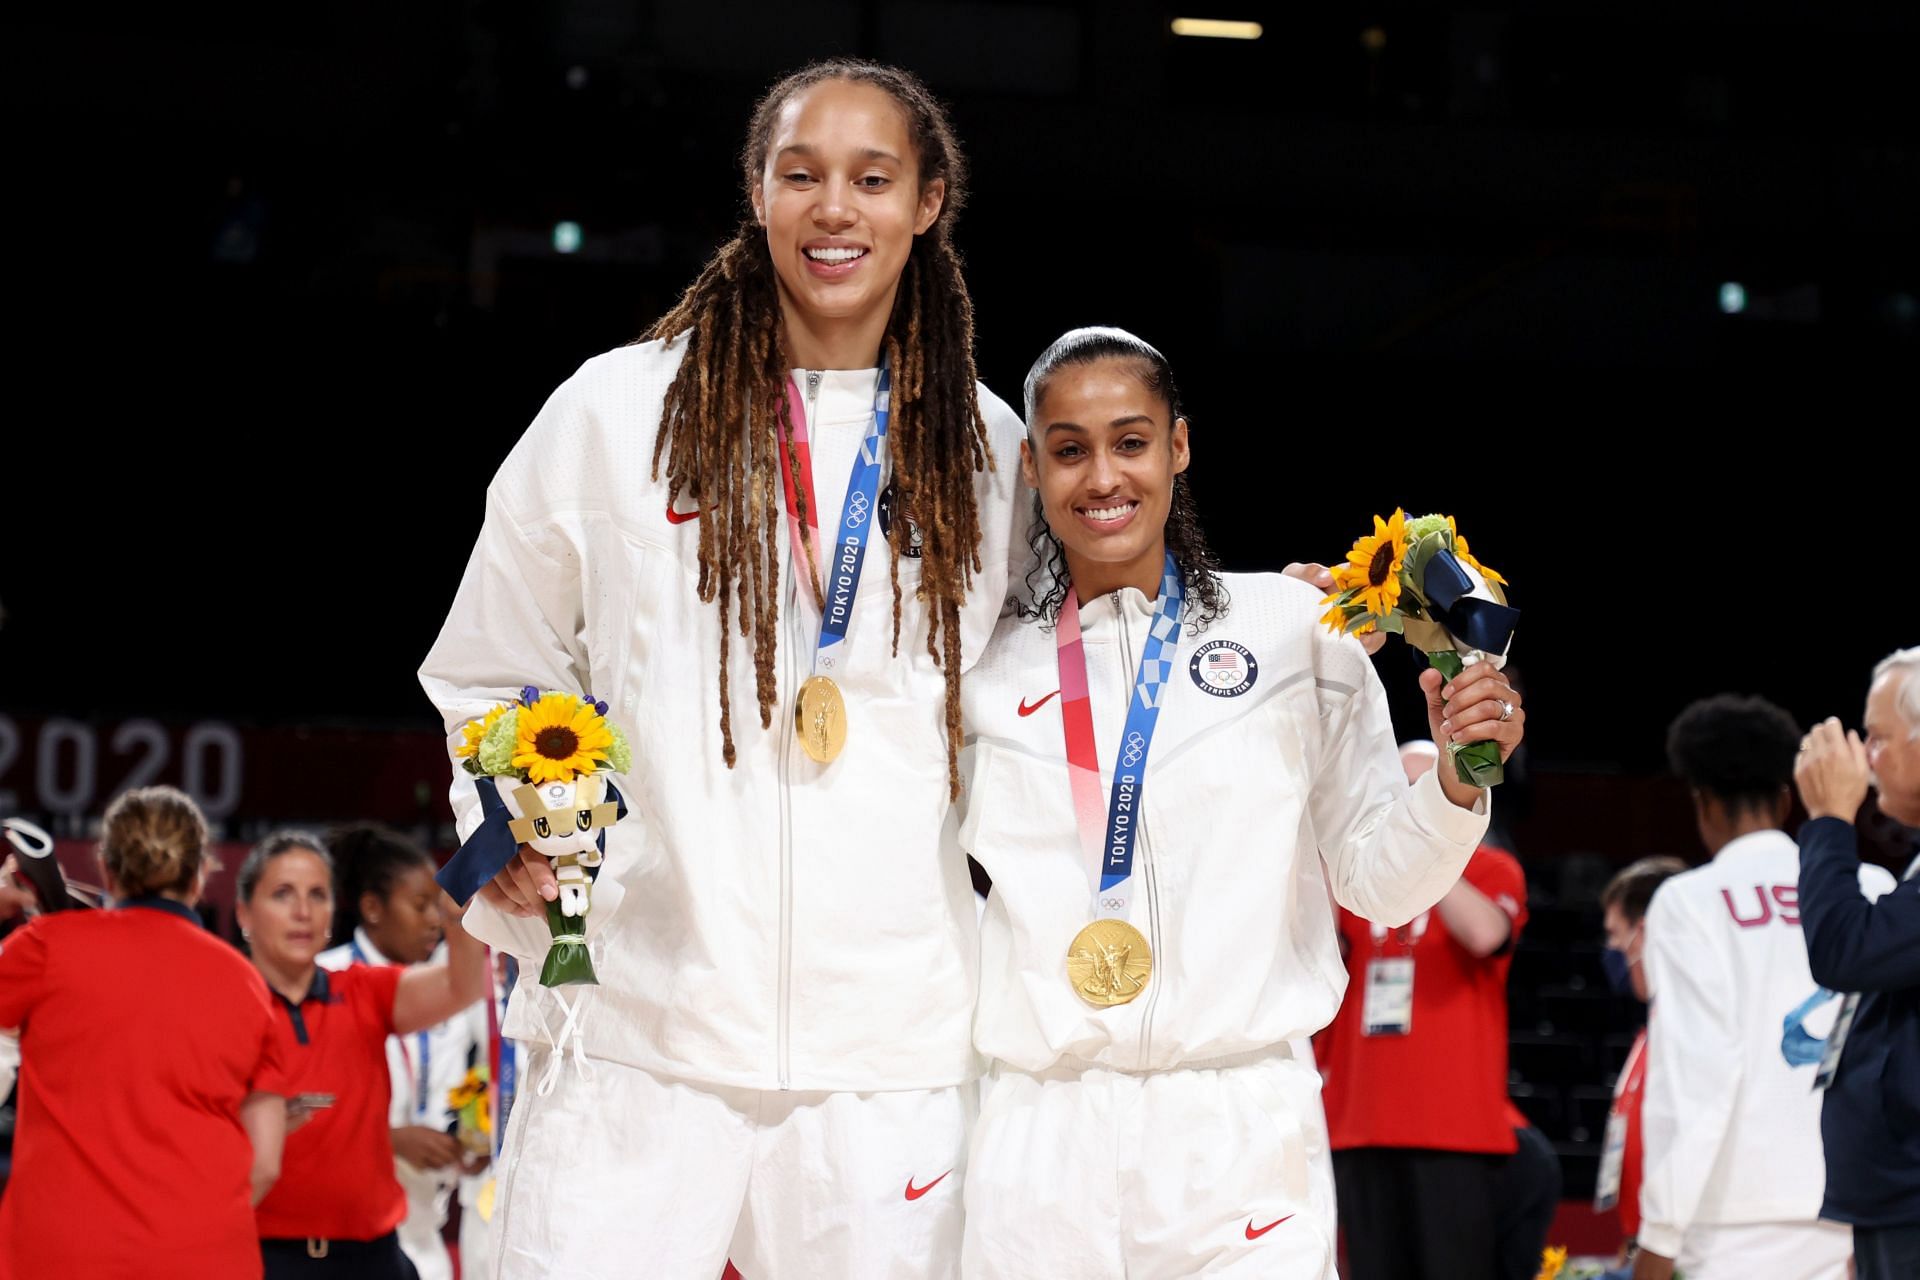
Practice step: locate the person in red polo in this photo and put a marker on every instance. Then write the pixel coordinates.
(1415, 1068)
(334, 1210)
(1623, 908)
(150, 1115)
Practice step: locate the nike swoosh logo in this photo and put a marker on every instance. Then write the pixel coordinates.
(1026, 710)
(681, 517)
(914, 1193)
(1255, 1235)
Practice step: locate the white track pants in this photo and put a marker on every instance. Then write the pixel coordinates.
(1218, 1169)
(630, 1174)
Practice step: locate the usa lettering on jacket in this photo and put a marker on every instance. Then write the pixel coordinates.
(1787, 896)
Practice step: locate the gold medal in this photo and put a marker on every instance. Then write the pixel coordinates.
(820, 718)
(483, 1205)
(1109, 963)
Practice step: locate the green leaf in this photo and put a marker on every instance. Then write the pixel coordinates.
(1414, 570)
(567, 963)
(1478, 763)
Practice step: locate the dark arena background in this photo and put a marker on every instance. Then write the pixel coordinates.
(1633, 289)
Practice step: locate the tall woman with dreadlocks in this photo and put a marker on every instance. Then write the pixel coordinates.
(1153, 724)
(770, 537)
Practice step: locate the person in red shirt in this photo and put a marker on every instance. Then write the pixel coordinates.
(1415, 1068)
(150, 1115)
(334, 1210)
(1623, 906)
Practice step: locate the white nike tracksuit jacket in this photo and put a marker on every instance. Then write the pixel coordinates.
(1175, 1135)
(779, 1048)
(1734, 1170)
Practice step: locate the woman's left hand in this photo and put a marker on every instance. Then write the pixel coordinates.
(1477, 706)
(1320, 576)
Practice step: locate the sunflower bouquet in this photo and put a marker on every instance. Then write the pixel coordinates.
(473, 1113)
(1418, 579)
(541, 765)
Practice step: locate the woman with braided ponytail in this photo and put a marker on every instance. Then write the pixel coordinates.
(784, 501)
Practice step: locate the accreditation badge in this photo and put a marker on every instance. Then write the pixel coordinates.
(1836, 1043)
(1388, 1006)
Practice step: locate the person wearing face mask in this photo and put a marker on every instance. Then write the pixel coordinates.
(388, 909)
(1623, 913)
(335, 1207)
(1730, 1122)
(1168, 767)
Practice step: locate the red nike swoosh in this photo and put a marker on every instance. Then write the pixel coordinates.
(1255, 1235)
(1026, 710)
(914, 1193)
(681, 517)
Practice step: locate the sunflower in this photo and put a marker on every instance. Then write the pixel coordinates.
(560, 739)
(474, 730)
(1340, 619)
(464, 1093)
(1373, 566)
(1460, 550)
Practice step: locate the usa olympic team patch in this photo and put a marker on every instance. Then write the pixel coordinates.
(1224, 669)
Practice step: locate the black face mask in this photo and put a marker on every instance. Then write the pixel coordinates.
(1618, 970)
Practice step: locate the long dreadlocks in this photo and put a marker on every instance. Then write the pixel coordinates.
(726, 416)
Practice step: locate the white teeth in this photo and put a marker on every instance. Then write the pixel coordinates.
(835, 255)
(1108, 514)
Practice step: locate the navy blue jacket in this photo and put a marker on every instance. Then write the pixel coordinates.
(1870, 1122)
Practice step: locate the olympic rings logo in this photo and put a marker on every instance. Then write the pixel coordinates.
(1136, 747)
(857, 509)
(1112, 904)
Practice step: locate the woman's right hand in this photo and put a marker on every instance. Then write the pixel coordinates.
(524, 886)
(1318, 575)
(425, 1148)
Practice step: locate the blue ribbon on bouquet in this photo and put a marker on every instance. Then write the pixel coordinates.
(492, 846)
(1485, 625)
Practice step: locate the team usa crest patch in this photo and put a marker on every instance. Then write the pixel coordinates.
(1224, 669)
(912, 547)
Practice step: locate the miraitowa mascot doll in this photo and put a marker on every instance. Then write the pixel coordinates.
(541, 768)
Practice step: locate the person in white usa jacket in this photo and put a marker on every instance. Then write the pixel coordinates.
(1733, 1168)
(1176, 1135)
(776, 1062)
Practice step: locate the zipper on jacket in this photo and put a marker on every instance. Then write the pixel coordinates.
(786, 780)
(1129, 662)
